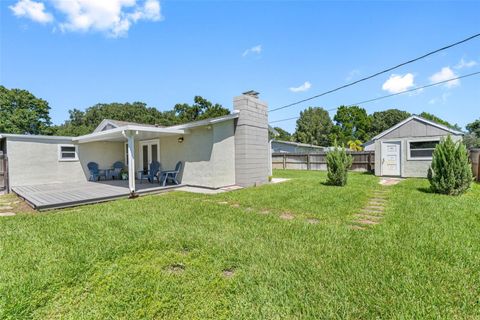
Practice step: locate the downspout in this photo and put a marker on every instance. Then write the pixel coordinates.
(270, 165)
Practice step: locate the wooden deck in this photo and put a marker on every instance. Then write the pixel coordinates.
(62, 195)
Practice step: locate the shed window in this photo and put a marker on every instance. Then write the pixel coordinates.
(422, 149)
(67, 153)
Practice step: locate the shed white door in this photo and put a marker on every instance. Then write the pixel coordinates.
(391, 158)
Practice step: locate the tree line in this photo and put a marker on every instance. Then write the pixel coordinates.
(23, 113)
(352, 125)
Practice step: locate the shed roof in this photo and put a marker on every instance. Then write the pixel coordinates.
(415, 117)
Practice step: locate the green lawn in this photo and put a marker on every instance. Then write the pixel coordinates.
(164, 256)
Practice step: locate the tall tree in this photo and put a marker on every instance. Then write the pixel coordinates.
(472, 139)
(314, 127)
(282, 134)
(201, 109)
(383, 120)
(83, 122)
(351, 123)
(23, 113)
(436, 119)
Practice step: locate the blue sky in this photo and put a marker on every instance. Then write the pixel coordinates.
(77, 53)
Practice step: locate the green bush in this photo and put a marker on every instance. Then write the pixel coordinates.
(451, 171)
(338, 163)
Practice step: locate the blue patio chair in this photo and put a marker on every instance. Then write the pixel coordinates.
(95, 173)
(152, 173)
(171, 175)
(115, 173)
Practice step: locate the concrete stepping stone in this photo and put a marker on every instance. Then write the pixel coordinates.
(6, 208)
(264, 211)
(287, 216)
(367, 216)
(235, 205)
(367, 222)
(222, 202)
(313, 221)
(7, 214)
(356, 227)
(248, 209)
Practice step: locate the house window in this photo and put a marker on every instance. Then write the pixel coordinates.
(422, 149)
(67, 153)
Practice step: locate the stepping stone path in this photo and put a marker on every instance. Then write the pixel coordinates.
(6, 209)
(372, 213)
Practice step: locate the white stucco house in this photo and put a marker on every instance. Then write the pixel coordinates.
(219, 152)
(405, 150)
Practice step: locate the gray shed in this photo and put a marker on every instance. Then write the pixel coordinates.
(405, 150)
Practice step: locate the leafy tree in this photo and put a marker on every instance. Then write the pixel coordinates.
(84, 122)
(314, 127)
(472, 139)
(201, 109)
(338, 163)
(474, 127)
(355, 145)
(383, 120)
(23, 113)
(282, 135)
(451, 171)
(436, 119)
(352, 123)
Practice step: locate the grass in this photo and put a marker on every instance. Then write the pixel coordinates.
(164, 256)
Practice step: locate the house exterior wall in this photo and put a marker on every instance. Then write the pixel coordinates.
(207, 154)
(410, 167)
(252, 154)
(36, 161)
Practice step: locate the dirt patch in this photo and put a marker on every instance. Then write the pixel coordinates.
(228, 273)
(176, 268)
(264, 211)
(313, 220)
(248, 209)
(235, 205)
(287, 216)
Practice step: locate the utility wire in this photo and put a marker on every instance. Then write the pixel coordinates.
(378, 73)
(393, 94)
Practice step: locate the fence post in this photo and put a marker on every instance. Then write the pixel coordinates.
(308, 162)
(369, 159)
(284, 161)
(478, 167)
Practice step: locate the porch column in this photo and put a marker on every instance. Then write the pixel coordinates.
(131, 161)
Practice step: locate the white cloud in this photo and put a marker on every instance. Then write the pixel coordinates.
(466, 64)
(112, 17)
(256, 50)
(304, 87)
(352, 74)
(31, 10)
(443, 75)
(398, 83)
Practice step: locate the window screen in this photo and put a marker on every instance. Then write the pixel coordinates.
(422, 149)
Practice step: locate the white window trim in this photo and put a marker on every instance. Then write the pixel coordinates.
(67, 159)
(409, 157)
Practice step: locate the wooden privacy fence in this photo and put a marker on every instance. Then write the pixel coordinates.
(362, 161)
(475, 158)
(3, 172)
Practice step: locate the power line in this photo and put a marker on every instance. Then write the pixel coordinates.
(378, 73)
(394, 94)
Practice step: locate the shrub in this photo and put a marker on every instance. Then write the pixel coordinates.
(450, 172)
(338, 163)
